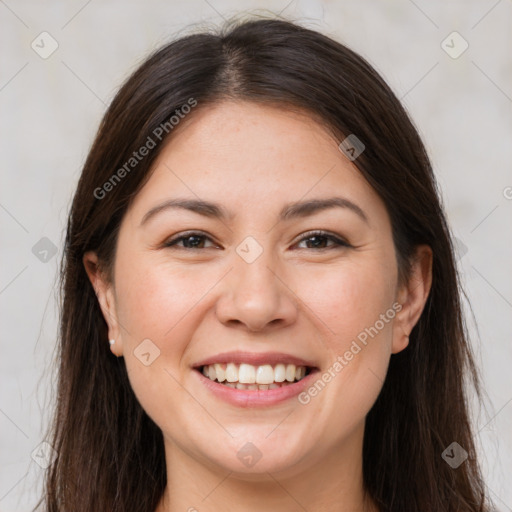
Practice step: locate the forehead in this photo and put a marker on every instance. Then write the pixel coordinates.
(250, 156)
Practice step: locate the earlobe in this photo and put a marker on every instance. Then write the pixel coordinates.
(400, 344)
(104, 293)
(413, 297)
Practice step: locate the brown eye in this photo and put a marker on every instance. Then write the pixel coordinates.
(319, 239)
(192, 240)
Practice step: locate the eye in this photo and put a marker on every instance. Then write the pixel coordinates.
(314, 239)
(191, 240)
(320, 238)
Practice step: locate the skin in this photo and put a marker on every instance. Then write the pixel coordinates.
(294, 298)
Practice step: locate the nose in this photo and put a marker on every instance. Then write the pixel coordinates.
(256, 296)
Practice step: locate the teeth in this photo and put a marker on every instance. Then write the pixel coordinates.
(265, 374)
(247, 376)
(231, 372)
(290, 372)
(252, 387)
(220, 371)
(280, 373)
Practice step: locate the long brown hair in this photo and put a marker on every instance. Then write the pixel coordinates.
(110, 453)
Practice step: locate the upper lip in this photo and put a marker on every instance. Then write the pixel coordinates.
(255, 359)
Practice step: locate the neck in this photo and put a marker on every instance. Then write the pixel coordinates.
(333, 482)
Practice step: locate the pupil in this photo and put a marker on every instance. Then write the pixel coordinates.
(193, 237)
(320, 240)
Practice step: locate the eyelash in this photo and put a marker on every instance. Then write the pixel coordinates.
(310, 234)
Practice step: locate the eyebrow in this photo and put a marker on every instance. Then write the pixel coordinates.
(289, 211)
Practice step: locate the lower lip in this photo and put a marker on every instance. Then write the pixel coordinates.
(256, 397)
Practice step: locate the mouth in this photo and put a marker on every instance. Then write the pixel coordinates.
(245, 376)
(249, 379)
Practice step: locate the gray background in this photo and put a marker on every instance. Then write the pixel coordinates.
(51, 107)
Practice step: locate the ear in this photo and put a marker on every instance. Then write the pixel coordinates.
(106, 298)
(413, 296)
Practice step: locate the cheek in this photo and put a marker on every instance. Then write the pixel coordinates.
(355, 308)
(348, 300)
(162, 305)
(155, 300)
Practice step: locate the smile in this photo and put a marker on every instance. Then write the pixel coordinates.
(250, 377)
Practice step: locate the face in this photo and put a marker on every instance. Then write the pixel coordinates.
(277, 279)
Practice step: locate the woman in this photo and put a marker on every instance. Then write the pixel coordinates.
(260, 303)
